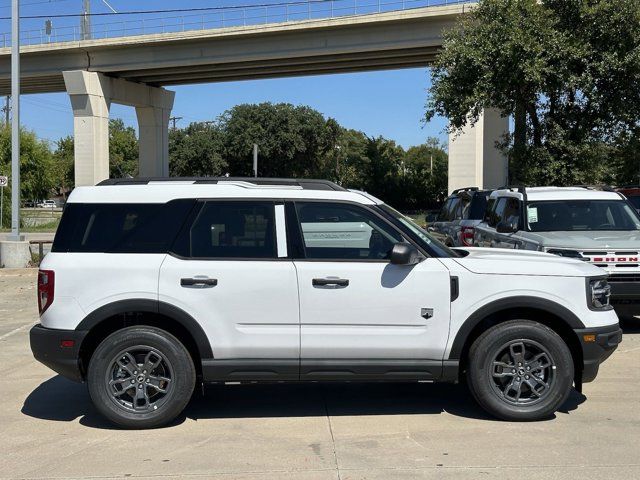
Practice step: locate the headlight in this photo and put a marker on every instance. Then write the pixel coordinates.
(598, 293)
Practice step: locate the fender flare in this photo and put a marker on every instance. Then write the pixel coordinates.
(151, 306)
(496, 306)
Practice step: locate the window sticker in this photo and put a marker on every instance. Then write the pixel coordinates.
(532, 214)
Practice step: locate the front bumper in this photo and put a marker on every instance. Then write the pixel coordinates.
(49, 348)
(597, 344)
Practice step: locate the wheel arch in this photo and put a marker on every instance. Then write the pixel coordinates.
(109, 318)
(551, 314)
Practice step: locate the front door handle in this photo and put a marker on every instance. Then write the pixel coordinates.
(323, 282)
(202, 282)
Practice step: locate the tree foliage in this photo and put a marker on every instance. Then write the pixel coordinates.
(197, 151)
(37, 168)
(567, 71)
(123, 150)
(297, 141)
(292, 140)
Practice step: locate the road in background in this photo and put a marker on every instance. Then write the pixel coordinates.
(308, 431)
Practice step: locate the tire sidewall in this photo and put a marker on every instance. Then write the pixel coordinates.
(486, 348)
(183, 381)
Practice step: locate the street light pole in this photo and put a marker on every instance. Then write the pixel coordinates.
(255, 160)
(15, 123)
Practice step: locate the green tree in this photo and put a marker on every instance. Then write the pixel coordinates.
(64, 164)
(37, 168)
(386, 174)
(348, 159)
(293, 140)
(123, 150)
(196, 151)
(566, 71)
(427, 167)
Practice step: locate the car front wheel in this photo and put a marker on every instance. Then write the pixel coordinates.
(520, 370)
(141, 377)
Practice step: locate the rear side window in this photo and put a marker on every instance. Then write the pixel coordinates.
(478, 206)
(454, 209)
(230, 230)
(444, 211)
(491, 203)
(496, 215)
(511, 212)
(120, 228)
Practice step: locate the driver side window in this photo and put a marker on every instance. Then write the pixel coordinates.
(335, 231)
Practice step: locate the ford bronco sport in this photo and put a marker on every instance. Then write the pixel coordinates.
(598, 226)
(155, 286)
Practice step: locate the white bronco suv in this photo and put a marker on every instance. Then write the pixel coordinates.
(153, 286)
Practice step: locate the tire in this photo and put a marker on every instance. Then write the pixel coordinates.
(141, 377)
(510, 391)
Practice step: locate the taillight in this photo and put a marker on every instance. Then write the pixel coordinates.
(466, 236)
(46, 287)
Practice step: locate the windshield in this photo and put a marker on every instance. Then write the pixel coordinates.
(420, 234)
(581, 215)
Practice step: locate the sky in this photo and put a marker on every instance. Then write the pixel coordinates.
(388, 103)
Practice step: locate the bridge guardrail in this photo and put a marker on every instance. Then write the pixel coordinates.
(223, 17)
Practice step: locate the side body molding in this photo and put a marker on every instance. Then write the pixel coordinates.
(151, 306)
(506, 304)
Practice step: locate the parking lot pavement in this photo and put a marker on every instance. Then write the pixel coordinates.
(48, 428)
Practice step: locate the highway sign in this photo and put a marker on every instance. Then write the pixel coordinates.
(4, 181)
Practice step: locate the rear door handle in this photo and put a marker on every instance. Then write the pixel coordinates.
(323, 282)
(203, 282)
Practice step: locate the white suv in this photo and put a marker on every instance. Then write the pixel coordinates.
(153, 286)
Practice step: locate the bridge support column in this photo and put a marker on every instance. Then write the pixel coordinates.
(474, 159)
(90, 126)
(91, 95)
(153, 144)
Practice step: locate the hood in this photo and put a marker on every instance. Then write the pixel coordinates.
(504, 261)
(587, 240)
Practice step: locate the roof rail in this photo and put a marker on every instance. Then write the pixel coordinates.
(519, 188)
(604, 188)
(465, 189)
(304, 183)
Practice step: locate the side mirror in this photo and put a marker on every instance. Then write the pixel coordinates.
(405, 254)
(506, 227)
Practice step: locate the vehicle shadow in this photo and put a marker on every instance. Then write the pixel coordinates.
(59, 399)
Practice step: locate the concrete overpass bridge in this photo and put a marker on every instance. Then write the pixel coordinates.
(134, 70)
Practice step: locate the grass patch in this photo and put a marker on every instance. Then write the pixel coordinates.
(42, 228)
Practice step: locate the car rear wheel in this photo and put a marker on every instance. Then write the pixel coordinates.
(141, 377)
(520, 370)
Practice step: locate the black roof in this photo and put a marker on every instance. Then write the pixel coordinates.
(305, 183)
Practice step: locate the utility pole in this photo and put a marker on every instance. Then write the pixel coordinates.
(15, 124)
(6, 109)
(255, 160)
(85, 20)
(174, 120)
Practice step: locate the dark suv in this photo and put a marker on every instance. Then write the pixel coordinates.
(461, 212)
